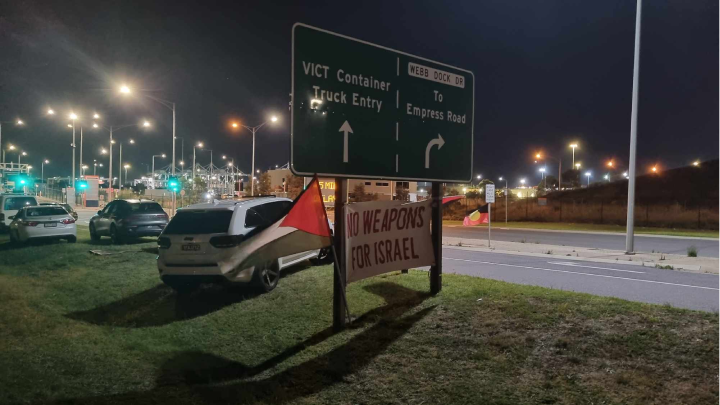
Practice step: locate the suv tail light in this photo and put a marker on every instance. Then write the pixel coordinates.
(164, 242)
(226, 241)
(68, 221)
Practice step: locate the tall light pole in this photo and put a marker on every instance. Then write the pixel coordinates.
(254, 130)
(573, 146)
(539, 156)
(120, 183)
(153, 168)
(588, 174)
(198, 145)
(17, 122)
(126, 169)
(169, 104)
(73, 117)
(182, 148)
(42, 170)
(630, 237)
(506, 199)
(111, 129)
(19, 156)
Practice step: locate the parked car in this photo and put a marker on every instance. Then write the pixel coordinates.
(67, 207)
(123, 219)
(10, 204)
(201, 235)
(42, 222)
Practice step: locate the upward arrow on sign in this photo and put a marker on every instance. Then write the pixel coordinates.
(439, 141)
(346, 129)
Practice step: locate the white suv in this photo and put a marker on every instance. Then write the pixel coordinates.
(201, 235)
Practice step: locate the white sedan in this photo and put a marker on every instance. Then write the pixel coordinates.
(46, 222)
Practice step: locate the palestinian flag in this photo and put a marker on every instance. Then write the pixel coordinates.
(304, 227)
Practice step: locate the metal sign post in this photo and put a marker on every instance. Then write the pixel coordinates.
(490, 199)
(361, 110)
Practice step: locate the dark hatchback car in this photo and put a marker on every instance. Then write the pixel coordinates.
(125, 219)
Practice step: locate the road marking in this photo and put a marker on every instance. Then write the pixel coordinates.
(582, 274)
(593, 267)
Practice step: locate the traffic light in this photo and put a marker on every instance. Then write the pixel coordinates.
(81, 185)
(174, 184)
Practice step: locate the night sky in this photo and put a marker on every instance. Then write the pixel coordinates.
(547, 73)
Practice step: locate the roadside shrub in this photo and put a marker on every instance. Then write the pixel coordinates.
(692, 251)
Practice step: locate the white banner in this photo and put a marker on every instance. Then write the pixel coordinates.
(384, 236)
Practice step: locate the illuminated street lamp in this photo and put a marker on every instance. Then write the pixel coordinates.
(254, 130)
(610, 163)
(588, 174)
(573, 146)
(522, 181)
(696, 163)
(654, 168)
(115, 128)
(17, 122)
(577, 166)
(20, 155)
(540, 156)
(42, 170)
(153, 167)
(126, 166)
(198, 145)
(506, 197)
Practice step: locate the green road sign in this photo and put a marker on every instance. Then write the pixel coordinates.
(361, 110)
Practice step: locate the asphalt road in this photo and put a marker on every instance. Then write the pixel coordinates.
(643, 243)
(636, 283)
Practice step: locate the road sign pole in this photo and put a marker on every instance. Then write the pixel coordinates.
(339, 276)
(489, 221)
(436, 270)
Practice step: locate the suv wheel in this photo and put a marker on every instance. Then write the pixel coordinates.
(93, 234)
(13, 238)
(266, 276)
(115, 235)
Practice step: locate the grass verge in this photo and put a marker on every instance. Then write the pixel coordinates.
(87, 329)
(560, 226)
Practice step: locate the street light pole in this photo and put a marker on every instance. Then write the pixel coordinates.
(153, 168)
(81, 145)
(42, 170)
(630, 237)
(73, 151)
(254, 130)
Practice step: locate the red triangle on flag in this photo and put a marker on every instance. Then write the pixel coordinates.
(308, 212)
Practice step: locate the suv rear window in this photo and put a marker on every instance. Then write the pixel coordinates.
(199, 222)
(138, 208)
(264, 215)
(16, 203)
(45, 211)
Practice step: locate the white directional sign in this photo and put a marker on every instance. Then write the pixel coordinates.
(490, 193)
